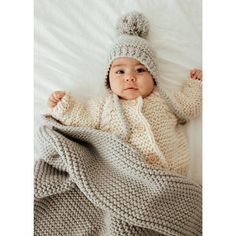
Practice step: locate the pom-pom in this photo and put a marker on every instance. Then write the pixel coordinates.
(133, 23)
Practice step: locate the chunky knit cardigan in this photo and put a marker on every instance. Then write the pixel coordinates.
(152, 125)
(90, 182)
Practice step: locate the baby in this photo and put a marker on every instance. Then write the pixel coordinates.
(134, 106)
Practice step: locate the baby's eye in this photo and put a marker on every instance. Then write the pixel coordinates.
(140, 70)
(120, 72)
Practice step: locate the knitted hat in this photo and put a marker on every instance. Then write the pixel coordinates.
(132, 28)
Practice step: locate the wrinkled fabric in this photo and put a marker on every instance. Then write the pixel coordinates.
(89, 182)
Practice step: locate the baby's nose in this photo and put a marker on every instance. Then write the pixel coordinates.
(130, 78)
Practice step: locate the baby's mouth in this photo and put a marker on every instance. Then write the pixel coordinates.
(131, 88)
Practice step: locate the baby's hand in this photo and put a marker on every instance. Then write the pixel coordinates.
(55, 98)
(196, 74)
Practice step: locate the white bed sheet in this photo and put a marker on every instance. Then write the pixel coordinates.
(72, 39)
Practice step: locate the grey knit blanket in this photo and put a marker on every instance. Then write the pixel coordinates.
(89, 182)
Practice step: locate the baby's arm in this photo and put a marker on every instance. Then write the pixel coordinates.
(67, 110)
(188, 101)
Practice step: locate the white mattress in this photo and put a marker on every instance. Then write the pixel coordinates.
(72, 39)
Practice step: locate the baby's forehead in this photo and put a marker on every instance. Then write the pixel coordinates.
(121, 61)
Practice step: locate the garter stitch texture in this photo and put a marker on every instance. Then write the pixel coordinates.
(90, 182)
(148, 124)
(151, 125)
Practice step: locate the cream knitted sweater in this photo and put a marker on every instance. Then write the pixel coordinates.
(149, 124)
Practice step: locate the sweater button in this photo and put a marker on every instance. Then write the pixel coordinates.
(152, 159)
(141, 127)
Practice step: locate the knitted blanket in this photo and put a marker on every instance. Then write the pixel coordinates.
(90, 182)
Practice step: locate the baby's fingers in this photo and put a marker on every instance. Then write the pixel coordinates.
(193, 72)
(59, 94)
(196, 74)
(55, 98)
(51, 103)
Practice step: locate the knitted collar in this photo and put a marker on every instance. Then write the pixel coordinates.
(117, 101)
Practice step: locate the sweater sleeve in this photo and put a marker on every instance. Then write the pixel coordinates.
(187, 103)
(73, 113)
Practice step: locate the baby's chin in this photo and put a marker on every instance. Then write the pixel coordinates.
(129, 97)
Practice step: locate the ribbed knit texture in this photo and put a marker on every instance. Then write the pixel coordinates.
(148, 124)
(90, 182)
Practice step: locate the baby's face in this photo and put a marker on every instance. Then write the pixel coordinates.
(130, 79)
